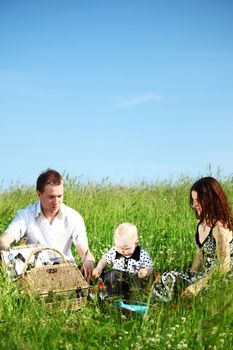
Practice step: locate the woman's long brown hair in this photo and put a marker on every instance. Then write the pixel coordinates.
(214, 202)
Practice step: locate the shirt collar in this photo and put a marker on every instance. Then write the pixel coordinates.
(135, 255)
(38, 210)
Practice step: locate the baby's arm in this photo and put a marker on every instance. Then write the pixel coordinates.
(99, 268)
(147, 265)
(145, 271)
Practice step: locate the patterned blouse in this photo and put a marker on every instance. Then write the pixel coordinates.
(208, 248)
(139, 259)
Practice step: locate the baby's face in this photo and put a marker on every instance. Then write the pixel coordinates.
(125, 248)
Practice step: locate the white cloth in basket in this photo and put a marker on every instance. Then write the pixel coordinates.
(14, 259)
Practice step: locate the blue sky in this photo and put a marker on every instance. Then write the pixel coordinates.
(127, 90)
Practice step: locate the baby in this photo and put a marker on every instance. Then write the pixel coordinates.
(126, 257)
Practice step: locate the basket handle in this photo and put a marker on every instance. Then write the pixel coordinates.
(33, 252)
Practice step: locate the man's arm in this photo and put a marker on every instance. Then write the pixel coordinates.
(6, 240)
(87, 259)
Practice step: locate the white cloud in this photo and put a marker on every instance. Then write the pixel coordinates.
(139, 100)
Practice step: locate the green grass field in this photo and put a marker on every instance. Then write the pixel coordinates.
(167, 227)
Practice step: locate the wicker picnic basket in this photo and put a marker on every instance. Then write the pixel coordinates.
(60, 284)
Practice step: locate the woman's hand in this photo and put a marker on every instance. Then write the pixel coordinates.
(192, 290)
(189, 292)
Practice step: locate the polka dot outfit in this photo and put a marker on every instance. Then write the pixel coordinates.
(139, 259)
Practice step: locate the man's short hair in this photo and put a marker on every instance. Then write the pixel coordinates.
(48, 177)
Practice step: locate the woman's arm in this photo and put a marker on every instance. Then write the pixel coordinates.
(197, 261)
(222, 237)
(195, 288)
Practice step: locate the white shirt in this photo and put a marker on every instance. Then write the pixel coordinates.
(67, 227)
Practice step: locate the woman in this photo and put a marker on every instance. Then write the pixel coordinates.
(213, 240)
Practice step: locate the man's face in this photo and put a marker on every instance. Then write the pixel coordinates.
(51, 199)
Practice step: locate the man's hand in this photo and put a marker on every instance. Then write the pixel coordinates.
(88, 260)
(6, 240)
(87, 269)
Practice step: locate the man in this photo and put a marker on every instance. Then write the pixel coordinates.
(51, 223)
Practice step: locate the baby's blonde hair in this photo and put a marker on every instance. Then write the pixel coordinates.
(125, 232)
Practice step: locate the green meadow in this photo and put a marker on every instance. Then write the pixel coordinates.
(166, 225)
